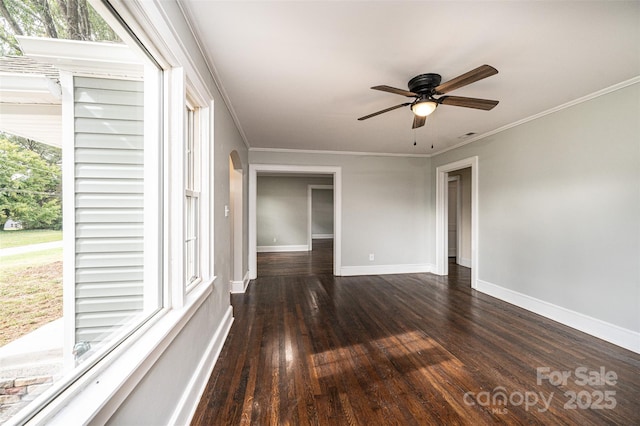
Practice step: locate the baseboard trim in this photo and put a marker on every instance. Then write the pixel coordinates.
(321, 236)
(237, 287)
(246, 280)
(195, 389)
(464, 262)
(347, 271)
(275, 249)
(611, 333)
(240, 286)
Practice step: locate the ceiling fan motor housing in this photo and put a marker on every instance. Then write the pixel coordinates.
(424, 84)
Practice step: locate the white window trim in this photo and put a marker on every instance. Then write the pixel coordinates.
(68, 217)
(153, 171)
(206, 191)
(194, 182)
(175, 181)
(97, 394)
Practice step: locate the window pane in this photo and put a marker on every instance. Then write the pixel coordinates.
(192, 211)
(191, 239)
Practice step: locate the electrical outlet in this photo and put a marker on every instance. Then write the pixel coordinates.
(275, 240)
(371, 257)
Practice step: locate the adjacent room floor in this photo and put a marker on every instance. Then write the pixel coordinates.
(416, 349)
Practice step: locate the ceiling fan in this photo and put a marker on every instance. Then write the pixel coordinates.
(425, 86)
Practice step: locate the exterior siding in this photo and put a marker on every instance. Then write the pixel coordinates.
(109, 200)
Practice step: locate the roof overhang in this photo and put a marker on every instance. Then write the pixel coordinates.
(30, 103)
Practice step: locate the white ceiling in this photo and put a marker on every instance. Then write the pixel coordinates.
(297, 74)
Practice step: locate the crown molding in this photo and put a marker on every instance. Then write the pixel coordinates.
(328, 152)
(208, 59)
(605, 91)
(591, 96)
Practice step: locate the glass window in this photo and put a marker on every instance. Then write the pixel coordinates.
(91, 134)
(192, 195)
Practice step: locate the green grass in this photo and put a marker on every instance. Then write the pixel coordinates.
(23, 238)
(31, 292)
(26, 260)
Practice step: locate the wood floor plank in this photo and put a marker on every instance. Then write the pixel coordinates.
(307, 348)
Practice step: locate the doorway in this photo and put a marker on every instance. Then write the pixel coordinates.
(453, 218)
(460, 168)
(335, 172)
(238, 282)
(320, 213)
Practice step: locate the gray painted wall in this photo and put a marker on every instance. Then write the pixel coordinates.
(559, 203)
(385, 205)
(559, 207)
(282, 209)
(172, 372)
(321, 212)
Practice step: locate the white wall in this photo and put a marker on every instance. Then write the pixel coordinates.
(385, 208)
(558, 211)
(282, 210)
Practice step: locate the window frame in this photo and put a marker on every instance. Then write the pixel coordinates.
(193, 183)
(78, 66)
(101, 388)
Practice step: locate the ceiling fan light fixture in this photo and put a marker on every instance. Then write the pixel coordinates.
(424, 107)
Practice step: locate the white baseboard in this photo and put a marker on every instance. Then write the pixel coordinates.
(194, 390)
(464, 262)
(240, 286)
(347, 271)
(273, 249)
(611, 333)
(321, 236)
(237, 287)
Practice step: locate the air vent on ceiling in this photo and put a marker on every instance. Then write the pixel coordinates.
(466, 135)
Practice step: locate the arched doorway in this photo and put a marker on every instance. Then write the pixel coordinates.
(237, 280)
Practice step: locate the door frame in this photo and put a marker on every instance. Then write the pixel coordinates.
(456, 179)
(254, 169)
(310, 189)
(237, 277)
(442, 181)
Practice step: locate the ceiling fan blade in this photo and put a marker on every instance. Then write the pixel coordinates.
(479, 73)
(418, 121)
(383, 111)
(484, 104)
(395, 91)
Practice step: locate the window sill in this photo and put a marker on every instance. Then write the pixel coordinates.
(98, 394)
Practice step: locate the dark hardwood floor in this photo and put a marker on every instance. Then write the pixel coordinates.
(416, 349)
(318, 261)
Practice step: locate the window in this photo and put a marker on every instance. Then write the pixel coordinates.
(192, 195)
(106, 99)
(137, 208)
